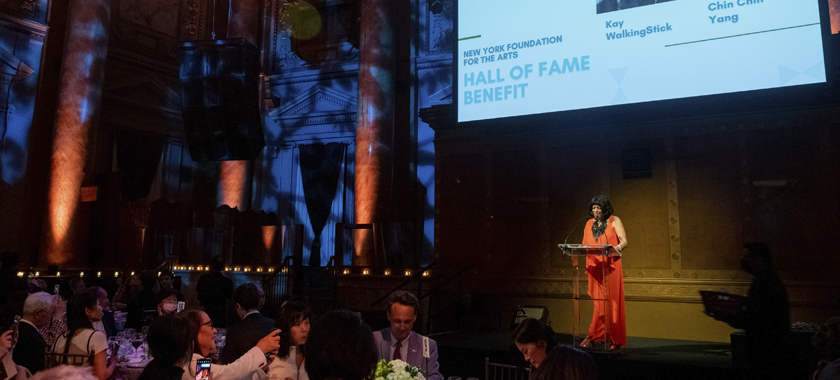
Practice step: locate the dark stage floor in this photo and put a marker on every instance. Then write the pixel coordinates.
(462, 354)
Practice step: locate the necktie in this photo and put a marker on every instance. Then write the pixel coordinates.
(397, 354)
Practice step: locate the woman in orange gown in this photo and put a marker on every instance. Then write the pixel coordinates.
(605, 228)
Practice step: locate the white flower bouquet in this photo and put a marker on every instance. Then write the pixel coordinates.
(396, 370)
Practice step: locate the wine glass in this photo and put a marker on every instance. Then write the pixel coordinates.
(113, 346)
(221, 336)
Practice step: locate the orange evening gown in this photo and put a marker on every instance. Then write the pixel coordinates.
(618, 330)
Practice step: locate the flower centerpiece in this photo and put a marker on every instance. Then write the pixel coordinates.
(396, 370)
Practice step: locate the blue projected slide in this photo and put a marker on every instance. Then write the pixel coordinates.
(536, 56)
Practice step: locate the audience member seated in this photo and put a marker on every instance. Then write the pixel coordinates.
(340, 346)
(534, 340)
(167, 301)
(167, 280)
(106, 324)
(293, 323)
(37, 285)
(827, 343)
(65, 372)
(252, 365)
(252, 327)
(399, 342)
(128, 291)
(8, 369)
(567, 363)
(77, 285)
(30, 348)
(171, 344)
(82, 310)
(57, 325)
(144, 304)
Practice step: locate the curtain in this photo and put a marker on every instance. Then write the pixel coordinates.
(320, 165)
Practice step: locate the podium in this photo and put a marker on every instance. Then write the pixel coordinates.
(579, 254)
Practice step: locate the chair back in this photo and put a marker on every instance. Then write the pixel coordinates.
(496, 371)
(53, 359)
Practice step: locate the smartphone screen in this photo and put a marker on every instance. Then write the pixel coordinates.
(14, 329)
(57, 286)
(202, 369)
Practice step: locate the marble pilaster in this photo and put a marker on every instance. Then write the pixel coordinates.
(375, 123)
(80, 94)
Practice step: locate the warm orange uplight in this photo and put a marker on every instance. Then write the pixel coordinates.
(365, 272)
(346, 271)
(408, 273)
(387, 272)
(232, 183)
(268, 236)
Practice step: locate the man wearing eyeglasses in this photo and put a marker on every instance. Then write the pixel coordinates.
(30, 348)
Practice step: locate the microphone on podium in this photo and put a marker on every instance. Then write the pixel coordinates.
(573, 229)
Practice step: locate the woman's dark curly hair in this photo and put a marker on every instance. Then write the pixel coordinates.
(827, 340)
(340, 346)
(289, 315)
(602, 202)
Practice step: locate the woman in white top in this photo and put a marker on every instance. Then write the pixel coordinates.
(294, 324)
(249, 366)
(82, 310)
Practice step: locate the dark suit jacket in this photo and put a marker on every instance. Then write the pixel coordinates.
(108, 322)
(30, 349)
(244, 335)
(214, 290)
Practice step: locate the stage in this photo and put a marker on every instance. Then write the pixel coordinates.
(462, 354)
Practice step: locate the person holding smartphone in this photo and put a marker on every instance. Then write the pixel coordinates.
(8, 369)
(252, 365)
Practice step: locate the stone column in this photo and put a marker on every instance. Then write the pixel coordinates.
(64, 235)
(375, 123)
(236, 175)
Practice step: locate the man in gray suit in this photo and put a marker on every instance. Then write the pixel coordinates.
(399, 342)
